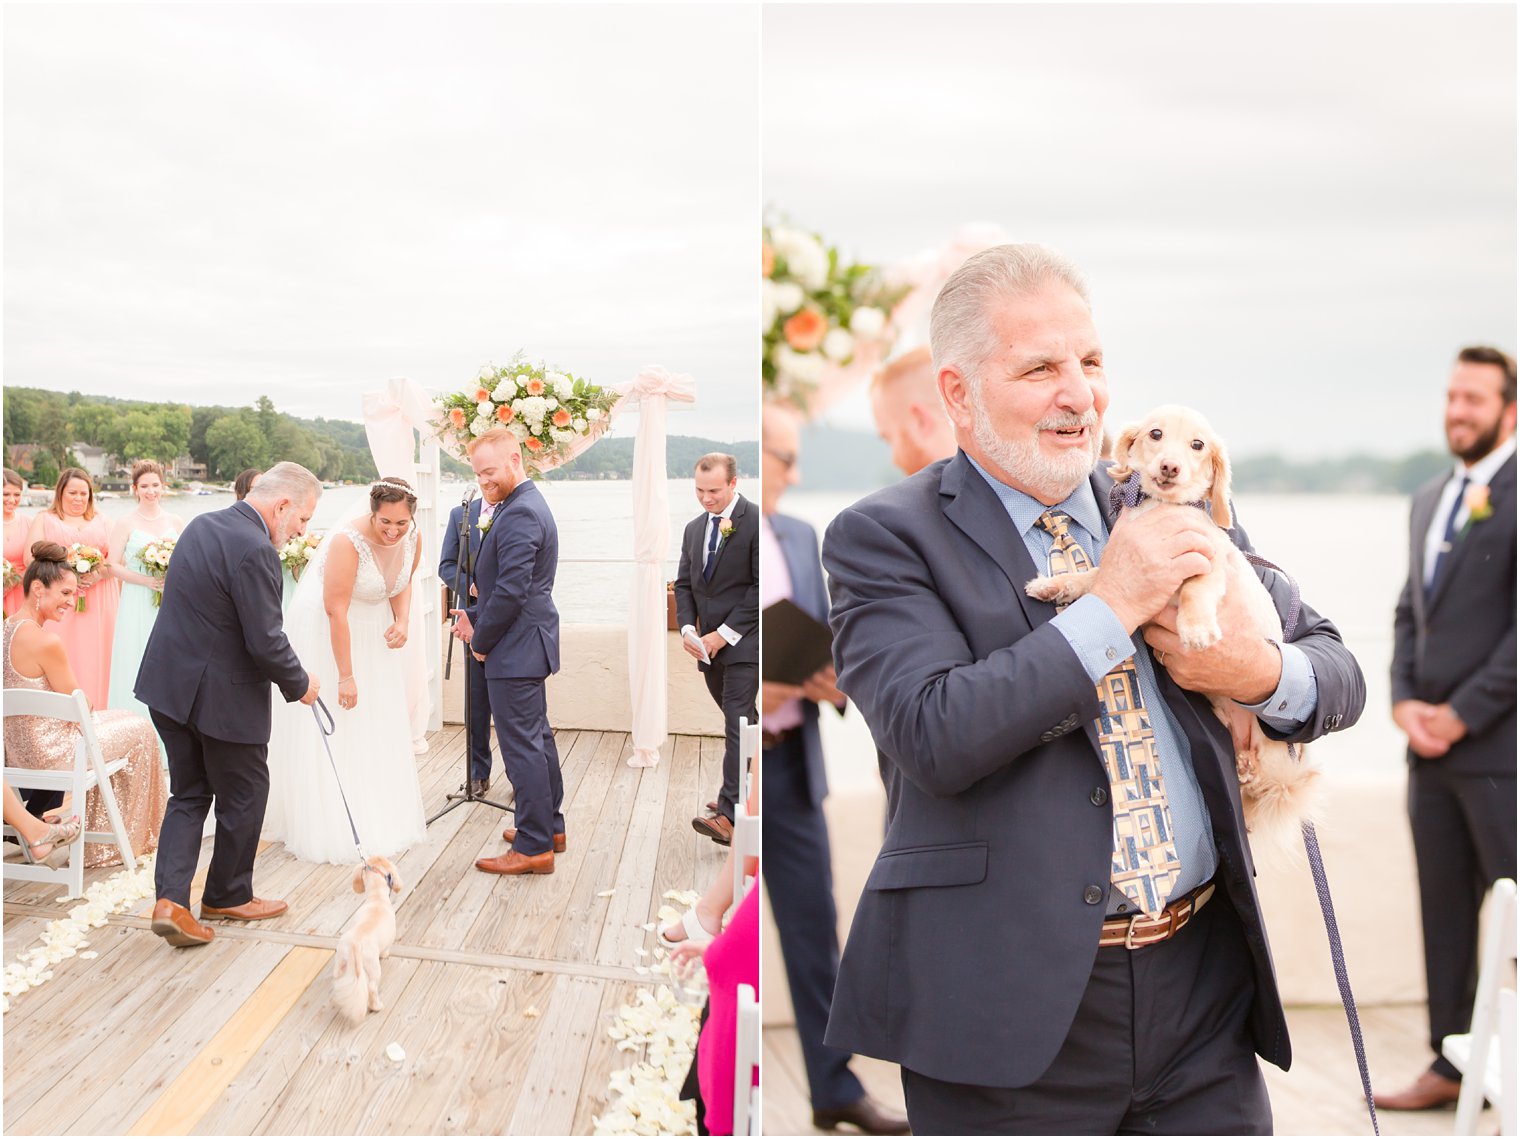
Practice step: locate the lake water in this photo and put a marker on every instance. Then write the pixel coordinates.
(1349, 555)
(595, 520)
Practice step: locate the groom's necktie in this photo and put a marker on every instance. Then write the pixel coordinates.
(712, 549)
(1145, 865)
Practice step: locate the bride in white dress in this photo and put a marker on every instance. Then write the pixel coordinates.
(346, 621)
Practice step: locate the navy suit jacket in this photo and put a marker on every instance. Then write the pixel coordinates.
(516, 626)
(975, 937)
(799, 545)
(448, 558)
(219, 640)
(1459, 646)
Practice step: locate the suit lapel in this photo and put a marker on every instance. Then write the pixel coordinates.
(741, 508)
(696, 537)
(1500, 498)
(973, 508)
(805, 591)
(1421, 516)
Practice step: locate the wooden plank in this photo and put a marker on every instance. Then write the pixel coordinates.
(630, 905)
(553, 1083)
(603, 1058)
(207, 1076)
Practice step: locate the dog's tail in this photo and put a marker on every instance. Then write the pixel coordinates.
(350, 993)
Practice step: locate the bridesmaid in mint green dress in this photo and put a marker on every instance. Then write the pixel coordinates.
(137, 612)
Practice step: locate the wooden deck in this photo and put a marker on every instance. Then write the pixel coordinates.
(1320, 1096)
(500, 990)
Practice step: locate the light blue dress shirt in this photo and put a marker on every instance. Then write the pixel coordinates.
(1100, 642)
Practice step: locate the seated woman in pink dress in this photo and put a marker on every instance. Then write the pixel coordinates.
(87, 636)
(733, 959)
(35, 658)
(16, 526)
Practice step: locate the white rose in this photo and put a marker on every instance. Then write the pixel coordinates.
(868, 322)
(563, 387)
(562, 436)
(806, 260)
(522, 380)
(517, 405)
(579, 424)
(804, 368)
(485, 409)
(519, 432)
(838, 345)
(487, 372)
(789, 297)
(480, 426)
(82, 566)
(550, 402)
(505, 390)
(593, 414)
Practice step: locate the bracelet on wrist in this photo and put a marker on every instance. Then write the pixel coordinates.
(344, 679)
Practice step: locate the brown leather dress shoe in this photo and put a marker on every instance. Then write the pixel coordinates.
(256, 909)
(514, 863)
(510, 834)
(865, 1113)
(479, 787)
(177, 926)
(1431, 1089)
(715, 827)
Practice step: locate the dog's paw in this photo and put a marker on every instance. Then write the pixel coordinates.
(1056, 590)
(1198, 633)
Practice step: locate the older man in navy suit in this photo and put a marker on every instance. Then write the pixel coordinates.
(1061, 933)
(513, 629)
(481, 517)
(215, 649)
(798, 874)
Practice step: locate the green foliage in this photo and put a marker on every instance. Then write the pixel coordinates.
(235, 442)
(45, 470)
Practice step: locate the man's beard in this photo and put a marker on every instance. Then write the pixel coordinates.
(281, 531)
(1483, 444)
(1044, 476)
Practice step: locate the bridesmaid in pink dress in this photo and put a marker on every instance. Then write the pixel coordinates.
(86, 636)
(16, 526)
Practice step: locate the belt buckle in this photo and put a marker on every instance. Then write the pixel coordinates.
(1129, 933)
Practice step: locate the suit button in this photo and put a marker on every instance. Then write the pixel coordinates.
(1069, 723)
(1099, 796)
(1046, 737)
(1092, 895)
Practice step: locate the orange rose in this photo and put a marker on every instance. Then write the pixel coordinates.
(533, 444)
(535, 387)
(767, 259)
(562, 418)
(482, 394)
(456, 416)
(805, 330)
(504, 413)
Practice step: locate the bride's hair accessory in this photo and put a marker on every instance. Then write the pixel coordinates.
(391, 489)
(394, 485)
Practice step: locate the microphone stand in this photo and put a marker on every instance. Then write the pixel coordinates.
(466, 793)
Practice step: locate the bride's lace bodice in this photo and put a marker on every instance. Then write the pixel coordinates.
(370, 584)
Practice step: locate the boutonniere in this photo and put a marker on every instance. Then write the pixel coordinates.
(725, 529)
(1479, 508)
(484, 525)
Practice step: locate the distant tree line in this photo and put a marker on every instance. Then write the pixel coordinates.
(225, 439)
(613, 458)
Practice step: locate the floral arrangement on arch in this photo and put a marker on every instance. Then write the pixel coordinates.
(553, 414)
(154, 559)
(819, 314)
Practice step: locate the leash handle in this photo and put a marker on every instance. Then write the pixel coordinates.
(318, 710)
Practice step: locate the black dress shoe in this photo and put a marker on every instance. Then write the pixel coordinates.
(479, 787)
(866, 1114)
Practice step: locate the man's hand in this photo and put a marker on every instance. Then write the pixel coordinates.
(1413, 718)
(481, 657)
(1242, 666)
(773, 694)
(312, 685)
(713, 642)
(1148, 556)
(822, 687)
(462, 627)
(1443, 722)
(473, 591)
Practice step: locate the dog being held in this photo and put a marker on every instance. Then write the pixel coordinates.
(1181, 464)
(356, 966)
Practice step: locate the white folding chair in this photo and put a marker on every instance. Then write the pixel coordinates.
(1473, 1053)
(749, 754)
(1508, 1062)
(746, 1060)
(91, 769)
(746, 840)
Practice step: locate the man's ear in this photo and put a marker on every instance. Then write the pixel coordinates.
(955, 391)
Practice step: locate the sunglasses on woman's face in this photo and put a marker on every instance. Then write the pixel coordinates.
(785, 458)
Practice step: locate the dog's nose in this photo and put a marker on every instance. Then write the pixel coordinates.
(1169, 470)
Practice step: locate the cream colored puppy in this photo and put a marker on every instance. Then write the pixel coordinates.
(356, 965)
(1182, 465)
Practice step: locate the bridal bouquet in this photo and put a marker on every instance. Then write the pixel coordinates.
(12, 574)
(551, 413)
(84, 559)
(817, 312)
(297, 551)
(154, 559)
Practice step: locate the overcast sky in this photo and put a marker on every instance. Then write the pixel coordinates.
(1291, 215)
(209, 203)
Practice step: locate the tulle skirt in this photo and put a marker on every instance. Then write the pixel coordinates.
(371, 745)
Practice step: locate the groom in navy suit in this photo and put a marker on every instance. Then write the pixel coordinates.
(215, 649)
(513, 629)
(482, 514)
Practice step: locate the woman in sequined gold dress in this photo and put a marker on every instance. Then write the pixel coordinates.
(35, 658)
(87, 636)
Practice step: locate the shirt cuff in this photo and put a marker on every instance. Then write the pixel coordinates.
(729, 635)
(688, 629)
(1095, 635)
(1297, 695)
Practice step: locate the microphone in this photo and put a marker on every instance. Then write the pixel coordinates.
(468, 495)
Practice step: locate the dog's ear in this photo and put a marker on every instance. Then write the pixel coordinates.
(1120, 471)
(359, 879)
(1219, 491)
(395, 882)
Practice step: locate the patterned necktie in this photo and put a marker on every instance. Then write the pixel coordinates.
(1145, 865)
(712, 549)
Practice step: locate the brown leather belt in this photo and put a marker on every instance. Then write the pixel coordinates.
(769, 739)
(1140, 931)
